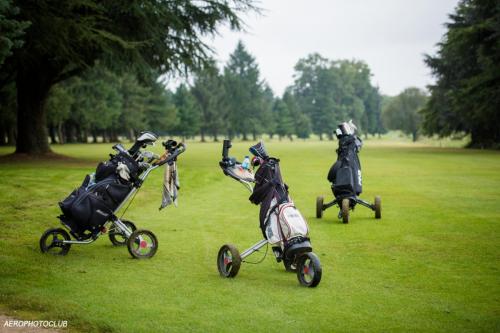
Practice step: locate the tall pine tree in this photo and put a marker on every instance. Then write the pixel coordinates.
(247, 112)
(188, 113)
(466, 96)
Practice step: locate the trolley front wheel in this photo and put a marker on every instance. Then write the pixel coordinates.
(142, 244)
(309, 270)
(228, 261)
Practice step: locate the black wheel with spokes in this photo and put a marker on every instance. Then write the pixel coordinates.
(117, 237)
(319, 207)
(378, 207)
(309, 270)
(346, 205)
(142, 244)
(52, 242)
(228, 261)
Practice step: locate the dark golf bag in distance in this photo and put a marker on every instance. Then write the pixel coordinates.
(345, 176)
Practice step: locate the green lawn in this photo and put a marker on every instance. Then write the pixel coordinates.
(432, 264)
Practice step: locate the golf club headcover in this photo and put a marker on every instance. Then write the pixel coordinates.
(259, 150)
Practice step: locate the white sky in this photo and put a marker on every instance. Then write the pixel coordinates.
(390, 35)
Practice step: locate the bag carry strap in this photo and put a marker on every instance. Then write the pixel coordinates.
(272, 209)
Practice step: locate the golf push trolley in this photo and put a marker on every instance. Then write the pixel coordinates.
(90, 210)
(282, 225)
(345, 177)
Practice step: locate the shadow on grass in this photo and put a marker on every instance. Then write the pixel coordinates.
(42, 159)
(336, 222)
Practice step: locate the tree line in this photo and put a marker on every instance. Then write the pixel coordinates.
(78, 69)
(233, 101)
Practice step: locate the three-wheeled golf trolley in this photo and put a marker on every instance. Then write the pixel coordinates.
(282, 225)
(345, 176)
(90, 210)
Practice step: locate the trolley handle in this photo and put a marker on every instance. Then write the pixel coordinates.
(227, 161)
(226, 145)
(181, 148)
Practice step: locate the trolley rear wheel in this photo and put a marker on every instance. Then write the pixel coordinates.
(319, 207)
(378, 207)
(228, 261)
(117, 237)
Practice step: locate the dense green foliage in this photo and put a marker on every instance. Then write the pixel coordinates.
(100, 103)
(248, 112)
(209, 91)
(11, 29)
(429, 265)
(466, 96)
(330, 92)
(403, 112)
(66, 37)
(188, 119)
(232, 101)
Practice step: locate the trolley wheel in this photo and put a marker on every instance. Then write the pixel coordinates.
(228, 261)
(378, 207)
(309, 270)
(319, 207)
(346, 205)
(142, 244)
(290, 266)
(117, 237)
(51, 242)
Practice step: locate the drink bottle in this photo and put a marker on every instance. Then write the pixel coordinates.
(246, 163)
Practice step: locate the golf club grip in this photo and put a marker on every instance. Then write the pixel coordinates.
(179, 150)
(225, 149)
(135, 148)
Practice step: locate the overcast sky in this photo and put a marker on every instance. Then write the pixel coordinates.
(390, 35)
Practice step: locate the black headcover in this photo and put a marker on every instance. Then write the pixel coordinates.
(259, 150)
(268, 185)
(345, 174)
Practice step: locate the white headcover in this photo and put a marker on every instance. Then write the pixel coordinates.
(349, 127)
(147, 136)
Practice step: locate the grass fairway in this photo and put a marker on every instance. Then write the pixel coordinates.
(432, 264)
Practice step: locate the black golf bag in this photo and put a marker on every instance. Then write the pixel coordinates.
(281, 223)
(91, 205)
(279, 219)
(345, 174)
(270, 191)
